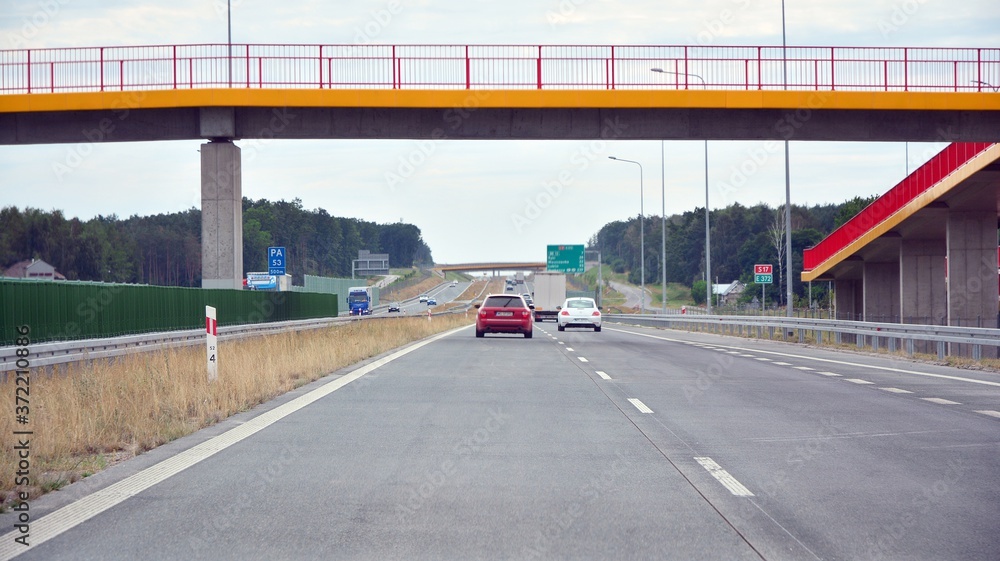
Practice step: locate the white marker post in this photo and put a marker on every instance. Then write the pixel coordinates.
(212, 343)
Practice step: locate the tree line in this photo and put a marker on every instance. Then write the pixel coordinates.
(740, 238)
(165, 249)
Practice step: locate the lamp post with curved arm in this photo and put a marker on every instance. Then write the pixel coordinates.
(708, 235)
(642, 239)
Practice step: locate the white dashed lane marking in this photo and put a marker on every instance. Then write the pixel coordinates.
(723, 476)
(639, 405)
(895, 390)
(603, 375)
(990, 413)
(857, 381)
(940, 401)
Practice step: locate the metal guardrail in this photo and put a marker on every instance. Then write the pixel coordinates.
(876, 334)
(62, 352)
(48, 354)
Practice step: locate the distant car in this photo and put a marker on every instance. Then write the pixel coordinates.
(423, 298)
(394, 307)
(432, 302)
(504, 313)
(528, 299)
(579, 312)
(454, 284)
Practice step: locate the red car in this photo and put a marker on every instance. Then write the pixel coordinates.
(503, 313)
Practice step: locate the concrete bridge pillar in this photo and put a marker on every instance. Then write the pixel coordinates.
(221, 216)
(848, 298)
(923, 282)
(924, 286)
(881, 289)
(972, 267)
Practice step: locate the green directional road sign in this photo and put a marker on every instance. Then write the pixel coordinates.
(565, 258)
(763, 279)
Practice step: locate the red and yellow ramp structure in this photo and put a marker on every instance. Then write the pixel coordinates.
(924, 252)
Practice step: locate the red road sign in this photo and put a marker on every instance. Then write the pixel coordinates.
(763, 269)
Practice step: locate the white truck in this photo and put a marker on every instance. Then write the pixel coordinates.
(550, 293)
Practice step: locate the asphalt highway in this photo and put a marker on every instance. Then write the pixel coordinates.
(444, 294)
(631, 443)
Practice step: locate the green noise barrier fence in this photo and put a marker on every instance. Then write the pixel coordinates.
(63, 311)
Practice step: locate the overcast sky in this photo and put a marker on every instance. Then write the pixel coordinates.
(472, 199)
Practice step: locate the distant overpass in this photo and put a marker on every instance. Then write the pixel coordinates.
(494, 266)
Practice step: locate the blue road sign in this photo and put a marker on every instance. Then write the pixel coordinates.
(276, 260)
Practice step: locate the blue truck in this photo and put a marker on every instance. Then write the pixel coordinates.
(359, 300)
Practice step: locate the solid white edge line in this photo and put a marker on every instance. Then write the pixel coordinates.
(73, 514)
(832, 361)
(723, 476)
(639, 405)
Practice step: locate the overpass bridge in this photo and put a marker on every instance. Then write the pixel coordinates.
(221, 93)
(494, 267)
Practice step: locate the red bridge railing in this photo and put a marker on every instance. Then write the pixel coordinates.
(499, 67)
(926, 176)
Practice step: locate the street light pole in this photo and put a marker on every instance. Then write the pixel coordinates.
(788, 188)
(663, 225)
(708, 244)
(600, 277)
(642, 239)
(708, 234)
(229, 40)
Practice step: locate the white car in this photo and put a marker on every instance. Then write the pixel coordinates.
(579, 312)
(423, 298)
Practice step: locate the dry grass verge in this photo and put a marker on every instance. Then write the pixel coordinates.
(87, 416)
